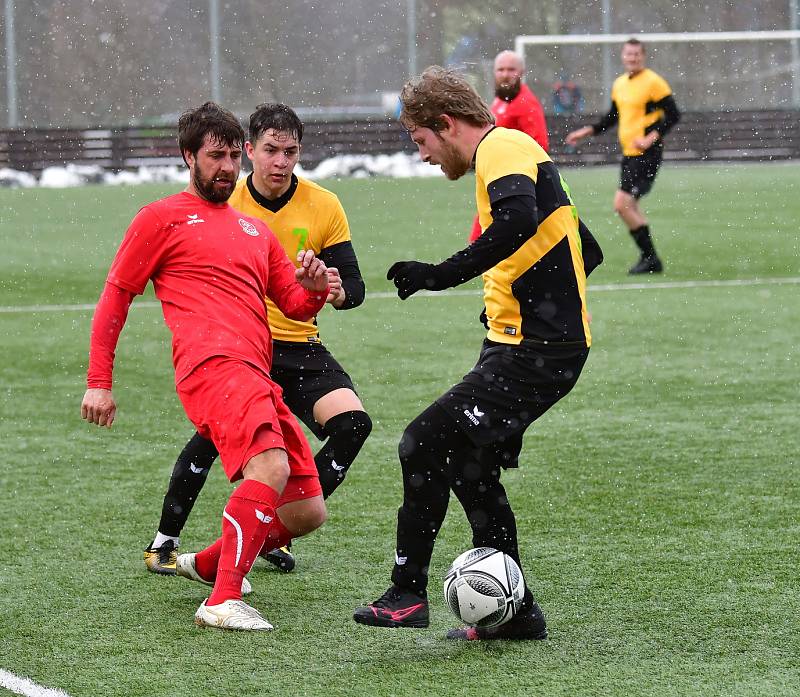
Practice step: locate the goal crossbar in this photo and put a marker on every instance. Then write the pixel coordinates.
(563, 39)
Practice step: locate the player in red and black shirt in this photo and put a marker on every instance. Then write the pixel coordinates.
(643, 108)
(211, 268)
(514, 106)
(534, 256)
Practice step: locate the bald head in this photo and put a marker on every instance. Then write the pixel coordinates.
(508, 71)
(509, 58)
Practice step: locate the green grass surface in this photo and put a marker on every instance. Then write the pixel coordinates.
(657, 504)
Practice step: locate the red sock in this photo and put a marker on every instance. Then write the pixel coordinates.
(245, 522)
(206, 562)
(278, 535)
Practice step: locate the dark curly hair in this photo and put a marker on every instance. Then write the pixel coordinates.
(210, 118)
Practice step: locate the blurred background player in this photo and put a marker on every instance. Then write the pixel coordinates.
(643, 106)
(211, 268)
(567, 97)
(514, 106)
(302, 215)
(534, 256)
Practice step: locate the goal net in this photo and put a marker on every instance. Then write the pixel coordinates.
(706, 70)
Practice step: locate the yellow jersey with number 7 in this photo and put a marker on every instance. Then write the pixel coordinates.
(311, 217)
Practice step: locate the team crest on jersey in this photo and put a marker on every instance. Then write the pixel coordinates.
(248, 227)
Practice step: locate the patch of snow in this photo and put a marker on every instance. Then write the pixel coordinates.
(400, 165)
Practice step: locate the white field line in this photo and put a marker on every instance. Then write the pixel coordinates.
(23, 686)
(603, 288)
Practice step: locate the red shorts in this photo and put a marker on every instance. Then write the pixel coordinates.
(241, 410)
(300, 487)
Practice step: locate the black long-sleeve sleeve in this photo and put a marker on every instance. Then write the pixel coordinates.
(590, 249)
(510, 229)
(671, 115)
(513, 224)
(609, 120)
(343, 257)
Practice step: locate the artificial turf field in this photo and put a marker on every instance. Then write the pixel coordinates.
(657, 504)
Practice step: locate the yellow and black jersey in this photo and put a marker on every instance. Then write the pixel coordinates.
(639, 102)
(538, 292)
(305, 217)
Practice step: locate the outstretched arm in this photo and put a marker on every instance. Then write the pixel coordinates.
(609, 120)
(513, 223)
(98, 406)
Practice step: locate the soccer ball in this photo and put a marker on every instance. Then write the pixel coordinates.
(484, 587)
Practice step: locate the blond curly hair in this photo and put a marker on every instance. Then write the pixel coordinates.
(441, 91)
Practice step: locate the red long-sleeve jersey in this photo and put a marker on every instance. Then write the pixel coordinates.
(211, 268)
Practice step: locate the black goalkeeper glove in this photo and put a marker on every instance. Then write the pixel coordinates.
(411, 276)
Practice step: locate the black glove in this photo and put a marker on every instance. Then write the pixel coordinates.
(411, 276)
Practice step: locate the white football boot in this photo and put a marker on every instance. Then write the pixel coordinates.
(231, 614)
(184, 566)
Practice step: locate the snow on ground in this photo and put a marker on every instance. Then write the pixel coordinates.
(399, 164)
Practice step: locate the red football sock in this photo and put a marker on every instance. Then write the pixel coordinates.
(278, 535)
(245, 522)
(206, 562)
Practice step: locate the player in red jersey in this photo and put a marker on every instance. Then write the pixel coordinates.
(211, 268)
(514, 106)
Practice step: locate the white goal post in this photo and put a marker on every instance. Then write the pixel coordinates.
(768, 67)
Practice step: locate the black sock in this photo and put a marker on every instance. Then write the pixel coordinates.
(641, 235)
(346, 434)
(188, 477)
(483, 497)
(425, 447)
(416, 535)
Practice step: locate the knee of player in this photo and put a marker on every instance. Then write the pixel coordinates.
(316, 516)
(408, 443)
(623, 201)
(422, 436)
(363, 425)
(353, 425)
(280, 470)
(306, 518)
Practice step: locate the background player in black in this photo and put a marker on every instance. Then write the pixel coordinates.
(316, 388)
(534, 255)
(645, 110)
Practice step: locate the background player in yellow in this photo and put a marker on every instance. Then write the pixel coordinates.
(316, 388)
(534, 255)
(643, 106)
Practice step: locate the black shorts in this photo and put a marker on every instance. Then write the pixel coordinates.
(306, 372)
(508, 389)
(639, 172)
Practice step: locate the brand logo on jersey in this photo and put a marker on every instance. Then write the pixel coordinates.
(474, 415)
(263, 517)
(337, 467)
(248, 227)
(196, 469)
(400, 561)
(194, 219)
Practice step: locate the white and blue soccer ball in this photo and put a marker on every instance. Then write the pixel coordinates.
(484, 587)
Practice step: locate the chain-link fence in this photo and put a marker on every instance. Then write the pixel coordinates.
(86, 63)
